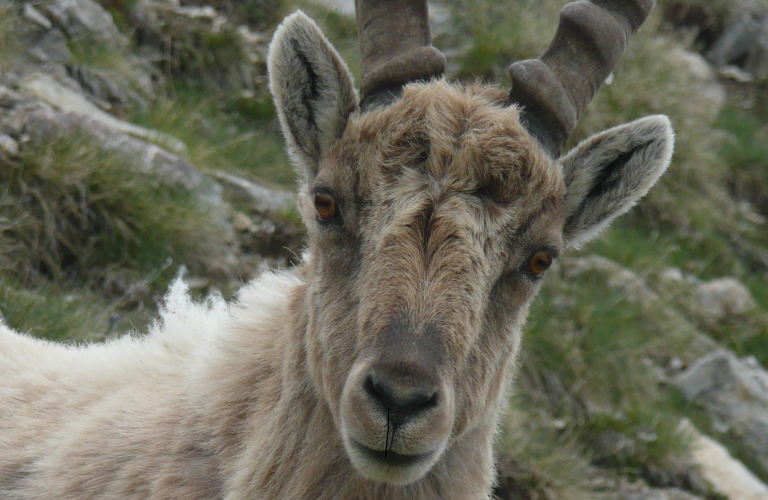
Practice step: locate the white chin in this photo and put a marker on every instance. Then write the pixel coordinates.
(395, 468)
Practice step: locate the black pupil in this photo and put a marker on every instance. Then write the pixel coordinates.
(325, 206)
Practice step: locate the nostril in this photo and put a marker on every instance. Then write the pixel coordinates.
(431, 401)
(379, 391)
(404, 402)
(371, 388)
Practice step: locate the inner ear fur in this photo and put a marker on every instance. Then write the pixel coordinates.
(608, 173)
(313, 90)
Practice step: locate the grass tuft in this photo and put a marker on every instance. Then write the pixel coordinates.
(44, 311)
(69, 209)
(586, 362)
(222, 132)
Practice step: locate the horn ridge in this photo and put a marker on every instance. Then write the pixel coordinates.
(556, 88)
(395, 44)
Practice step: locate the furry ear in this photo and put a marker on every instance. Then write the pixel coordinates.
(313, 90)
(608, 173)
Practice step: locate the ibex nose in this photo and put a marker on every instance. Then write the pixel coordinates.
(402, 393)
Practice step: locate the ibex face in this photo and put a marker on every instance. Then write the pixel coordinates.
(446, 211)
(433, 213)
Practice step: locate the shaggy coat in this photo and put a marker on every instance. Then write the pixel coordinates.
(377, 370)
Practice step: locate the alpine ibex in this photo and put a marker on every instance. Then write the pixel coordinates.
(378, 370)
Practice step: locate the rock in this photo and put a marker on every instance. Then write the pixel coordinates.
(675, 365)
(620, 488)
(100, 86)
(250, 38)
(36, 17)
(735, 42)
(9, 98)
(84, 21)
(720, 299)
(675, 276)
(736, 74)
(242, 223)
(696, 64)
(722, 376)
(709, 86)
(43, 124)
(171, 168)
(202, 44)
(269, 236)
(677, 494)
(346, 7)
(45, 88)
(697, 18)
(259, 198)
(628, 285)
(266, 229)
(206, 12)
(726, 474)
(53, 46)
(8, 145)
(634, 288)
(661, 494)
(734, 393)
(757, 60)
(439, 13)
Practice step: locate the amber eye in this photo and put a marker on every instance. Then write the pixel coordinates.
(540, 262)
(325, 206)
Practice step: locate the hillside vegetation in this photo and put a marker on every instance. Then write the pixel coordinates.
(138, 138)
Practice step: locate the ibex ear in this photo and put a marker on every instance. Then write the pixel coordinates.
(608, 173)
(313, 90)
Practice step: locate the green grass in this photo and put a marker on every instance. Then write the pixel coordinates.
(221, 135)
(703, 255)
(46, 311)
(116, 64)
(88, 240)
(74, 211)
(10, 45)
(69, 311)
(547, 461)
(585, 361)
(492, 35)
(746, 153)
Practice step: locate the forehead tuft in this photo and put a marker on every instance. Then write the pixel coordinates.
(466, 136)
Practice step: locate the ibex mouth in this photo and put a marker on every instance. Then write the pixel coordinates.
(395, 468)
(392, 458)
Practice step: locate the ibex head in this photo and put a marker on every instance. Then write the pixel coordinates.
(433, 211)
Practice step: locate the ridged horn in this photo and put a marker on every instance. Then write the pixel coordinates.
(555, 89)
(396, 48)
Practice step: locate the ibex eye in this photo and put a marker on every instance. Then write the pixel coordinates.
(540, 262)
(325, 206)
